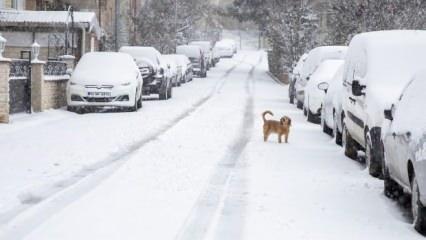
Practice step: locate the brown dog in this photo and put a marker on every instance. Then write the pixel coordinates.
(281, 127)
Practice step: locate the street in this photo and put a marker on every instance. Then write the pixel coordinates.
(192, 167)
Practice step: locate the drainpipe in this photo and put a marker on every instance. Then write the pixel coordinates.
(83, 40)
(117, 15)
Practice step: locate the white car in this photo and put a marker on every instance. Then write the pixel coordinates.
(314, 59)
(331, 111)
(173, 69)
(232, 43)
(184, 66)
(404, 141)
(224, 49)
(195, 55)
(316, 88)
(295, 75)
(105, 79)
(207, 48)
(377, 68)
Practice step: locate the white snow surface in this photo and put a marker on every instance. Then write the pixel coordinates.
(194, 167)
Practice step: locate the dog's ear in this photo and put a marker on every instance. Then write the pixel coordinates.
(282, 121)
(289, 121)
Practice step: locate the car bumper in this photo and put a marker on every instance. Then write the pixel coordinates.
(78, 96)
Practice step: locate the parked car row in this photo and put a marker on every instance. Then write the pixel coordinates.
(370, 97)
(121, 79)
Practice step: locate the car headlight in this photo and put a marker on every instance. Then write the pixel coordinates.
(126, 84)
(73, 83)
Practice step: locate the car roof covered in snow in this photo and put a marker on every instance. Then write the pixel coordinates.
(142, 52)
(205, 45)
(105, 66)
(320, 54)
(327, 70)
(191, 51)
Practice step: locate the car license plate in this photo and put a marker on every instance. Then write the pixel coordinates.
(99, 94)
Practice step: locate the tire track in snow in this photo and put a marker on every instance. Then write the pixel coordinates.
(203, 215)
(94, 174)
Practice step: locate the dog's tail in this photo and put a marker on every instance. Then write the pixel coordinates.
(266, 113)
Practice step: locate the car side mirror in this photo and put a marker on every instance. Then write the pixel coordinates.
(323, 86)
(307, 78)
(168, 66)
(161, 71)
(357, 88)
(388, 115)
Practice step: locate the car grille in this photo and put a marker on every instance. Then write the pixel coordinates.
(99, 86)
(100, 100)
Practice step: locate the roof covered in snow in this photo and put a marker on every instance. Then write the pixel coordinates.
(17, 18)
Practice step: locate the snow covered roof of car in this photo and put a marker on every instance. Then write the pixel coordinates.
(320, 54)
(142, 53)
(26, 18)
(189, 50)
(327, 70)
(96, 67)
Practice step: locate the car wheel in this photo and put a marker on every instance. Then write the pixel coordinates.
(337, 134)
(349, 144)
(170, 92)
(299, 104)
(305, 112)
(324, 126)
(134, 108)
(391, 188)
(371, 163)
(291, 99)
(140, 104)
(417, 209)
(163, 94)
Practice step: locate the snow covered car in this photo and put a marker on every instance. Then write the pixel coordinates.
(404, 141)
(174, 70)
(378, 66)
(294, 77)
(332, 112)
(224, 49)
(316, 88)
(105, 79)
(314, 59)
(216, 55)
(185, 67)
(207, 48)
(232, 43)
(195, 55)
(153, 70)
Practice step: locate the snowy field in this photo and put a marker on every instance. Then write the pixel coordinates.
(193, 167)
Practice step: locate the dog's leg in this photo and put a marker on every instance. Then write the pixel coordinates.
(279, 138)
(286, 138)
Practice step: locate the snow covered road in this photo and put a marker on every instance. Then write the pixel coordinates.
(194, 167)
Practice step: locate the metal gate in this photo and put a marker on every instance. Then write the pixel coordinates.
(20, 86)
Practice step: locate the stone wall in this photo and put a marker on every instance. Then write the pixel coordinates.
(54, 92)
(4, 90)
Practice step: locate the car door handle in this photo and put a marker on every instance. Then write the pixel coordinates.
(353, 100)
